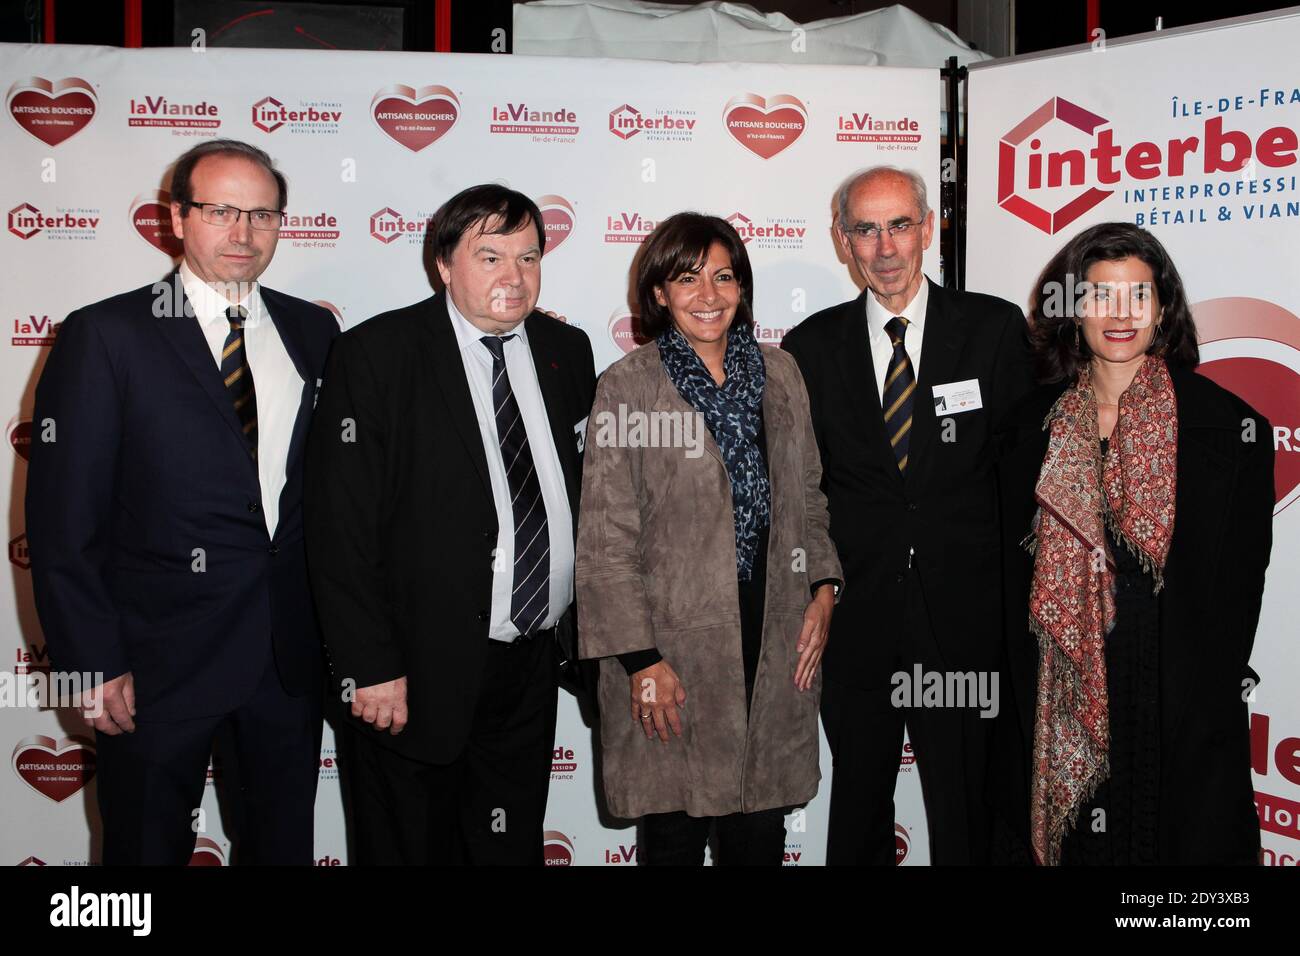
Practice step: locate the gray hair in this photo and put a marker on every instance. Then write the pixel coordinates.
(870, 173)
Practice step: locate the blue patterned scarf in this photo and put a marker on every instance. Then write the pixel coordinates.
(734, 414)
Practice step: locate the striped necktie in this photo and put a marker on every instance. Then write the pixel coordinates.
(237, 375)
(530, 598)
(900, 384)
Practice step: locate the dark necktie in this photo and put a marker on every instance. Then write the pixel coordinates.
(900, 383)
(239, 377)
(531, 598)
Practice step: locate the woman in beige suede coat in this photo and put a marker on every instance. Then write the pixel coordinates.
(705, 574)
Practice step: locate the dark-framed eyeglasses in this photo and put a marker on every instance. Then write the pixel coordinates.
(219, 214)
(866, 234)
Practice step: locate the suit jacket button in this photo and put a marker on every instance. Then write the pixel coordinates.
(483, 615)
(911, 506)
(254, 507)
(488, 535)
(899, 578)
(274, 549)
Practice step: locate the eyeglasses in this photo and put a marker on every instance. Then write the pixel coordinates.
(219, 214)
(869, 234)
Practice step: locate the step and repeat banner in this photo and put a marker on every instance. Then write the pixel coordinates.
(372, 144)
(1194, 136)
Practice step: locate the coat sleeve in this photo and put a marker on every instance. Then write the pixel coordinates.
(612, 602)
(1013, 370)
(343, 518)
(1254, 524)
(71, 486)
(823, 560)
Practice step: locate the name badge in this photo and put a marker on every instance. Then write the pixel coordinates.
(580, 435)
(957, 397)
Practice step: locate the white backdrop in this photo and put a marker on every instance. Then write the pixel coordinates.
(1226, 204)
(372, 144)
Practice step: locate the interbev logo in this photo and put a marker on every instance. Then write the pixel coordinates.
(1049, 188)
(388, 225)
(1252, 348)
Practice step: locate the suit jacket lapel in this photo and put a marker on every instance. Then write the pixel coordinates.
(184, 334)
(858, 369)
(289, 327)
(941, 343)
(454, 385)
(550, 369)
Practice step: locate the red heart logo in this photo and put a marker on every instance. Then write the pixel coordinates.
(765, 127)
(53, 770)
(151, 214)
(52, 112)
(1252, 348)
(415, 118)
(207, 853)
(624, 331)
(558, 219)
(20, 439)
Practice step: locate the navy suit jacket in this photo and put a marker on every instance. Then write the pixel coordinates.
(149, 549)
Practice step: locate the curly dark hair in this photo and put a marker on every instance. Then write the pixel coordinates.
(678, 245)
(1059, 352)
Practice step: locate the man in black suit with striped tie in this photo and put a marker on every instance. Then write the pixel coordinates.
(444, 469)
(164, 514)
(914, 518)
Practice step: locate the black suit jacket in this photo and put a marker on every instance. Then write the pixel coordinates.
(148, 465)
(944, 509)
(401, 522)
(1209, 608)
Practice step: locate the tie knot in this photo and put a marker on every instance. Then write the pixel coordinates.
(896, 328)
(497, 345)
(236, 315)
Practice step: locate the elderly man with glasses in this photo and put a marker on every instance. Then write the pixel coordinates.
(908, 384)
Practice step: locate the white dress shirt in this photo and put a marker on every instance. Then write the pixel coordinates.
(559, 520)
(882, 350)
(276, 381)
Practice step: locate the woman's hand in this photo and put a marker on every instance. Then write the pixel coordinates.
(812, 639)
(656, 696)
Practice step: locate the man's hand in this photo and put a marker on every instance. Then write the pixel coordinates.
(383, 705)
(109, 708)
(656, 695)
(812, 638)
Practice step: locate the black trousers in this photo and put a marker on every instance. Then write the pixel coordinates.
(865, 733)
(744, 839)
(150, 782)
(486, 807)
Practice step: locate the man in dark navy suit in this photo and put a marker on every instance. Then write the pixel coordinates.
(164, 516)
(907, 384)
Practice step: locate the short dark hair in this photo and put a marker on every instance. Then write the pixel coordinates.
(678, 245)
(183, 172)
(1060, 352)
(496, 206)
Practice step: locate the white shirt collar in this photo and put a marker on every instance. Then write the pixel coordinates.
(469, 336)
(914, 312)
(210, 305)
